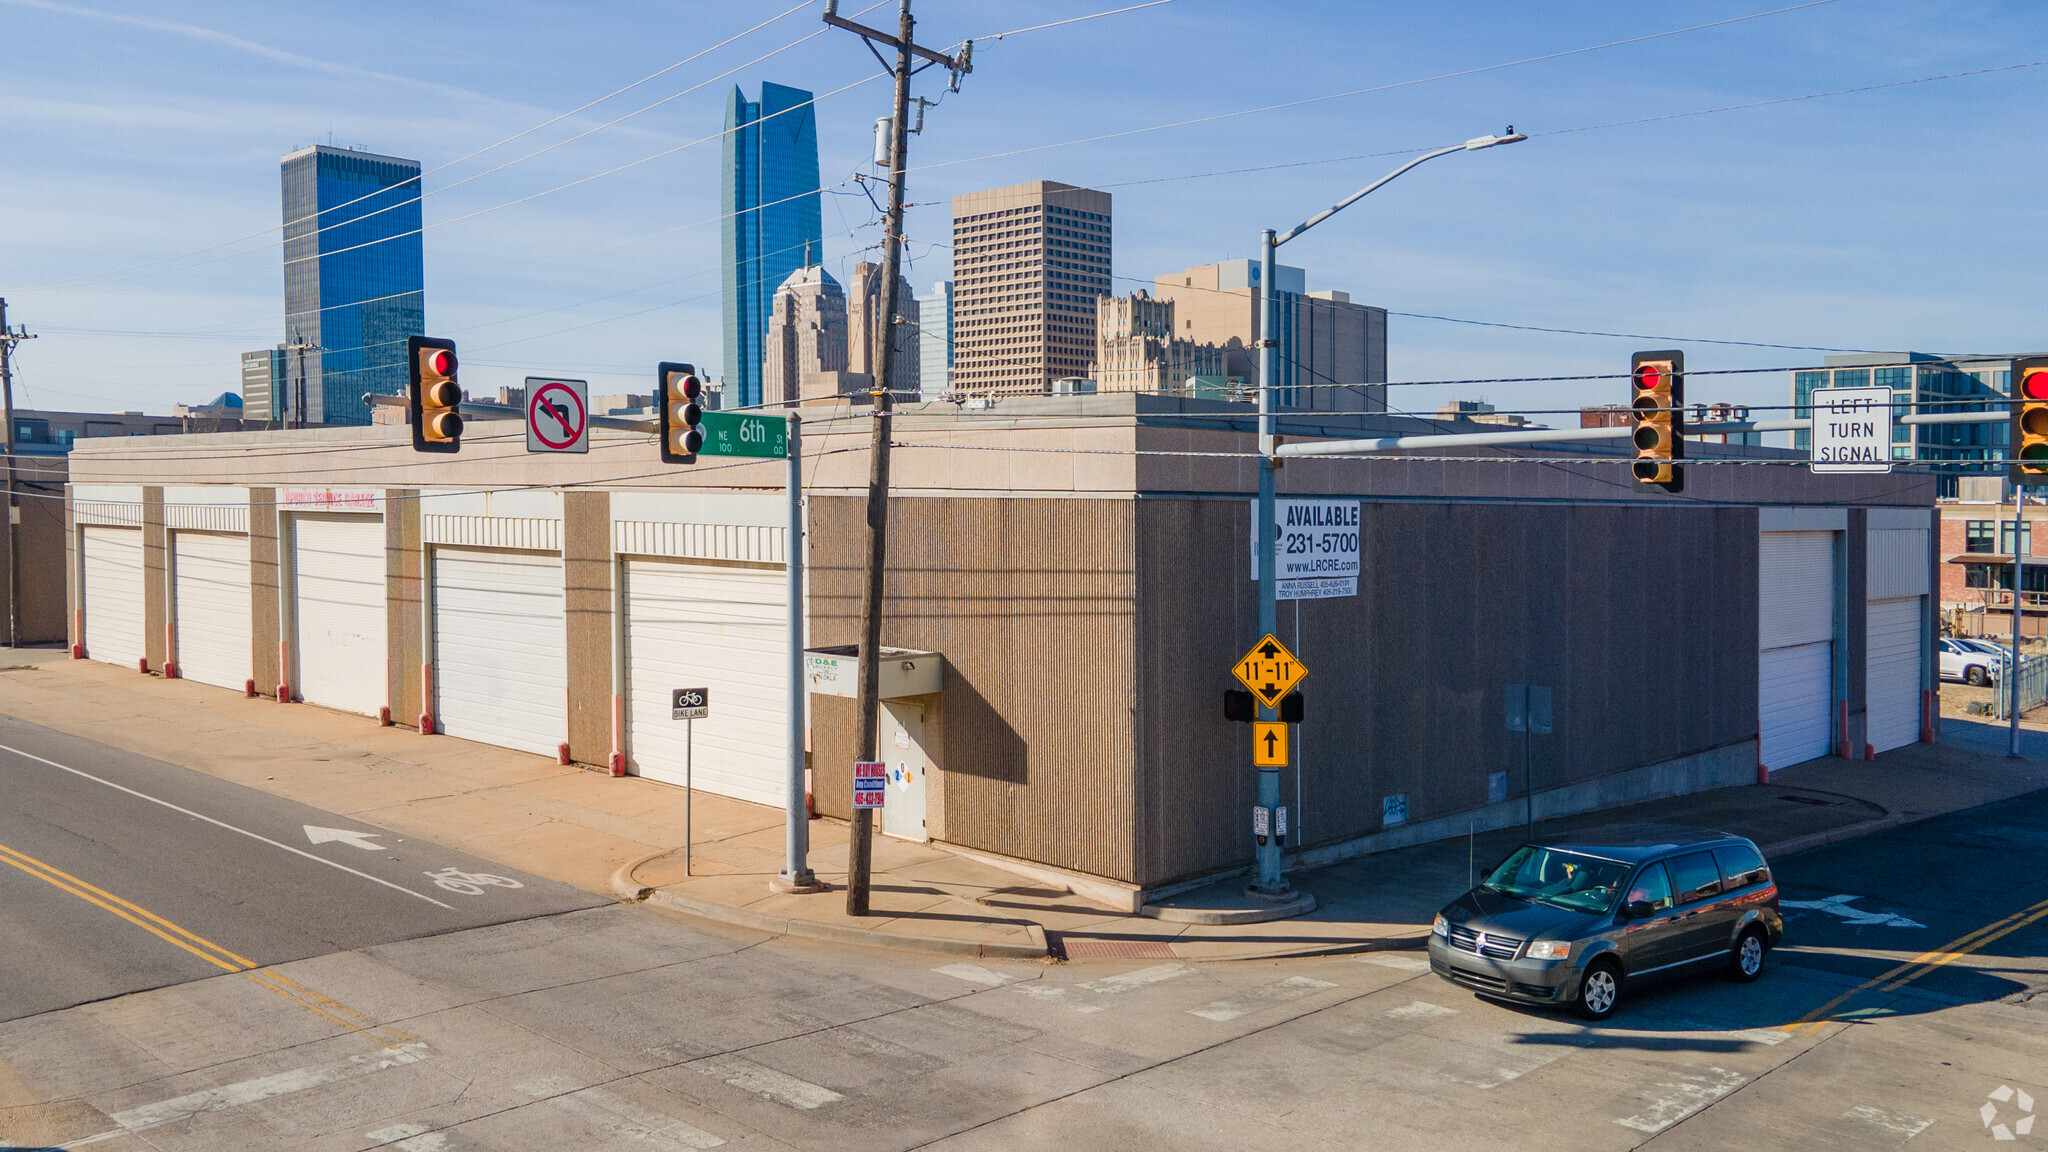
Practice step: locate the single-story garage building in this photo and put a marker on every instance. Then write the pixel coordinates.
(1082, 566)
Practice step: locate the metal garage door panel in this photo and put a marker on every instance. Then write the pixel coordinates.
(1793, 694)
(501, 651)
(210, 572)
(113, 595)
(338, 562)
(1891, 685)
(702, 626)
(1795, 588)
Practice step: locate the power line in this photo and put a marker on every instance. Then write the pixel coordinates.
(469, 156)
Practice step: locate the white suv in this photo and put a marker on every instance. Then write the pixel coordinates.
(1968, 663)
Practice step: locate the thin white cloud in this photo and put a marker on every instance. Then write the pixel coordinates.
(239, 44)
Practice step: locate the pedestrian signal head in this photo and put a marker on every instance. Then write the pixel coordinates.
(433, 395)
(681, 398)
(1657, 418)
(2030, 421)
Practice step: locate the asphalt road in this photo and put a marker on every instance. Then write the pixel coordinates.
(1929, 887)
(120, 873)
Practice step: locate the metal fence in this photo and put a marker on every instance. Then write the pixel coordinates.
(2033, 684)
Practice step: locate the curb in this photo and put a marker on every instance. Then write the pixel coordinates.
(631, 891)
(1300, 904)
(1846, 832)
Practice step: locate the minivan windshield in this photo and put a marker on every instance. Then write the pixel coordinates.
(1564, 879)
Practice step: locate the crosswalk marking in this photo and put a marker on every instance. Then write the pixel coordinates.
(765, 1082)
(1681, 1097)
(1278, 992)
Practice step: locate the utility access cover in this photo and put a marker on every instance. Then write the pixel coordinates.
(1270, 671)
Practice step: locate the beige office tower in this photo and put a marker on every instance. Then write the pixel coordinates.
(804, 357)
(1138, 350)
(863, 330)
(1029, 262)
(1333, 353)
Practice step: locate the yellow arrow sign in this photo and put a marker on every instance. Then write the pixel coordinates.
(1270, 671)
(1269, 744)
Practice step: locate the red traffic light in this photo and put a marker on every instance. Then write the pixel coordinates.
(2034, 384)
(440, 361)
(1648, 377)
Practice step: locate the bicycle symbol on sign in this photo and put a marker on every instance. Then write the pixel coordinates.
(453, 879)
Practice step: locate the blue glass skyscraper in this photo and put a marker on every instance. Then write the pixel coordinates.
(354, 279)
(772, 222)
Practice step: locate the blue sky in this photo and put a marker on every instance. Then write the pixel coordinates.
(1906, 217)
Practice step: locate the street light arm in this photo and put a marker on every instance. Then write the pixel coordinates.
(1472, 145)
(1361, 194)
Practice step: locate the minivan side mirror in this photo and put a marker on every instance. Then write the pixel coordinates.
(1638, 910)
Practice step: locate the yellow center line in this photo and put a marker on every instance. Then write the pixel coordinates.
(319, 1005)
(1926, 962)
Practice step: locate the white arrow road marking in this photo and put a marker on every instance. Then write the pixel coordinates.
(327, 835)
(1839, 906)
(226, 825)
(243, 1092)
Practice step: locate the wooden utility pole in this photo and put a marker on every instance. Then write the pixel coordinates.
(861, 847)
(9, 337)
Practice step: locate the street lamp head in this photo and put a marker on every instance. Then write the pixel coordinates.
(1508, 137)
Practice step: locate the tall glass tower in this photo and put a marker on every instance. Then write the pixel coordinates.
(772, 221)
(354, 279)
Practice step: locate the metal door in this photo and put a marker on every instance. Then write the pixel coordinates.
(903, 751)
(501, 658)
(210, 602)
(339, 610)
(113, 595)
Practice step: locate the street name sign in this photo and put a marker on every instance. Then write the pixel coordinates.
(1270, 671)
(1852, 430)
(689, 703)
(1269, 744)
(870, 783)
(740, 434)
(557, 415)
(1316, 548)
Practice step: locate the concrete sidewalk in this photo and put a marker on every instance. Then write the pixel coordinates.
(623, 837)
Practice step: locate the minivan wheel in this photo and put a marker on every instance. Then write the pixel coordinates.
(1746, 963)
(1600, 991)
(1974, 676)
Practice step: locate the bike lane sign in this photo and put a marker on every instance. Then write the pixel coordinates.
(1316, 547)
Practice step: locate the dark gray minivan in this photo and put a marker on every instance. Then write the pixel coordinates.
(1572, 919)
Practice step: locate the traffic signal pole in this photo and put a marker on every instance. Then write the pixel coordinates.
(1266, 877)
(861, 843)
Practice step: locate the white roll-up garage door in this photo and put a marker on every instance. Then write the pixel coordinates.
(113, 595)
(210, 583)
(1891, 682)
(339, 606)
(501, 651)
(721, 628)
(1795, 627)
(1793, 699)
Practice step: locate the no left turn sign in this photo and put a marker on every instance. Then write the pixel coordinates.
(557, 415)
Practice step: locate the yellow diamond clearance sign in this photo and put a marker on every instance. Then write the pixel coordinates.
(1270, 671)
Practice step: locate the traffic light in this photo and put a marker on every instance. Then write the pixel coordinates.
(433, 397)
(2030, 421)
(1239, 707)
(1657, 414)
(682, 413)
